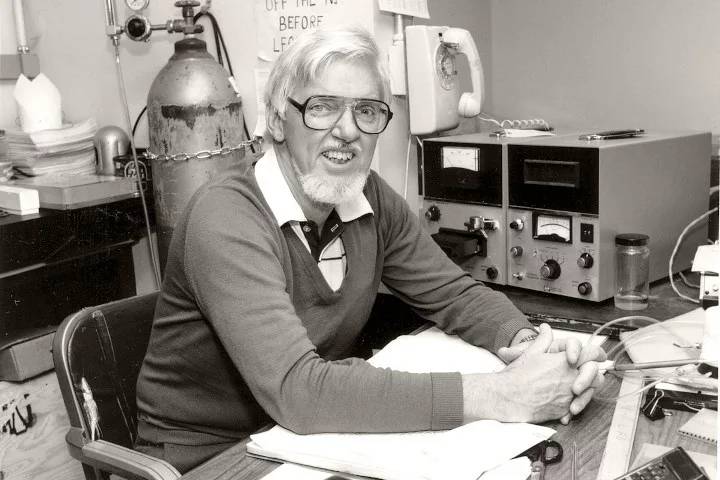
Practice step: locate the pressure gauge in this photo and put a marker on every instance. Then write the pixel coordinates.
(137, 5)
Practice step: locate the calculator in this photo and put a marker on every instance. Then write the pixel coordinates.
(673, 465)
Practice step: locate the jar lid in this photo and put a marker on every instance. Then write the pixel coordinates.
(631, 239)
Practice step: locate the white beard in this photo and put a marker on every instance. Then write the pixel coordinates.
(328, 190)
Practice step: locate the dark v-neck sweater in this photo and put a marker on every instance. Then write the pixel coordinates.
(247, 331)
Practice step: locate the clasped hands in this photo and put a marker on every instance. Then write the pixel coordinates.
(546, 377)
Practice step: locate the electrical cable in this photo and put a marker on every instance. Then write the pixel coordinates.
(220, 43)
(638, 391)
(215, 34)
(137, 121)
(675, 250)
(643, 334)
(687, 282)
(153, 255)
(618, 320)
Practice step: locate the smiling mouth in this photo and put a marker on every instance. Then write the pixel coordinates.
(337, 157)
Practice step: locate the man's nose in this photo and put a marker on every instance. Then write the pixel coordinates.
(346, 128)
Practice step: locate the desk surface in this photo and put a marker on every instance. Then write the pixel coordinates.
(589, 430)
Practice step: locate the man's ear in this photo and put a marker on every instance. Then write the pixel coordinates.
(275, 125)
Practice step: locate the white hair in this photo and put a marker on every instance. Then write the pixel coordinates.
(309, 55)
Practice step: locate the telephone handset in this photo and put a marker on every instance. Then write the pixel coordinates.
(434, 99)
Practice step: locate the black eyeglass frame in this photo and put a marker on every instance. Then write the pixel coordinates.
(301, 107)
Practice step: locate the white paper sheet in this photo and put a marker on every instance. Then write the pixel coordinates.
(39, 103)
(463, 453)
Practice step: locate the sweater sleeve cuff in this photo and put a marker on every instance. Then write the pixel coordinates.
(447, 401)
(508, 331)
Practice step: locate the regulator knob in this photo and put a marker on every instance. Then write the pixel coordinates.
(138, 28)
(585, 260)
(517, 224)
(551, 270)
(433, 213)
(584, 288)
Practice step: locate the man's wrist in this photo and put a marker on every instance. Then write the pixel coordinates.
(528, 338)
(524, 335)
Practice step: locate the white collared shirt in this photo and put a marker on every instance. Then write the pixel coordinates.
(332, 260)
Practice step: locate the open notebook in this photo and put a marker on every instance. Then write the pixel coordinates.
(462, 453)
(701, 426)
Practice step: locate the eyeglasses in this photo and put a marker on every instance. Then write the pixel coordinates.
(322, 112)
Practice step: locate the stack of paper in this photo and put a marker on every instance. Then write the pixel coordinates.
(68, 150)
(463, 453)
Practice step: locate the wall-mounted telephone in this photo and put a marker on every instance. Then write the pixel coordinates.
(434, 97)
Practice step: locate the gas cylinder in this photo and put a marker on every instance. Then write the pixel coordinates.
(195, 127)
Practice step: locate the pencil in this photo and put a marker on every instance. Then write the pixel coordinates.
(662, 364)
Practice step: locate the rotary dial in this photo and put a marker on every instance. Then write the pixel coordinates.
(445, 68)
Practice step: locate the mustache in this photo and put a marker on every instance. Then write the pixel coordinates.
(342, 147)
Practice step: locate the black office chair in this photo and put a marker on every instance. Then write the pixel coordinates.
(98, 352)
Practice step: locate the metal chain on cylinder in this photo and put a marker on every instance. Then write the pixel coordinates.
(202, 154)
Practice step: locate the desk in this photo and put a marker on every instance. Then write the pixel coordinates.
(589, 430)
(57, 261)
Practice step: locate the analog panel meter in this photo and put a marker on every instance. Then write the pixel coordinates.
(553, 228)
(461, 157)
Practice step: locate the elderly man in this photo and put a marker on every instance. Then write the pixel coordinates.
(273, 270)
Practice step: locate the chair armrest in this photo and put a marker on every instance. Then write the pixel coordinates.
(115, 458)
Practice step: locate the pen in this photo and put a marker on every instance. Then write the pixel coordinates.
(661, 364)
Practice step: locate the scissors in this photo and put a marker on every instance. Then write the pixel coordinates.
(544, 453)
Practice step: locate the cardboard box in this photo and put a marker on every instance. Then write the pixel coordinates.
(26, 354)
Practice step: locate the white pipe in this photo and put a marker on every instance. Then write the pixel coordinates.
(20, 26)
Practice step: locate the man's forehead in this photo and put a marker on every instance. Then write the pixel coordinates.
(366, 86)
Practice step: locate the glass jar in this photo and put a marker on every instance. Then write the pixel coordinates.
(632, 271)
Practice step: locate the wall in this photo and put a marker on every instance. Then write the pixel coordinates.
(69, 38)
(640, 64)
(646, 63)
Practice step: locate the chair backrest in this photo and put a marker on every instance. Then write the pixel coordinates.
(98, 352)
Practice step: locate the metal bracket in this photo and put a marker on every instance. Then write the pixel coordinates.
(12, 65)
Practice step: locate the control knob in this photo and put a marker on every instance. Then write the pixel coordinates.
(551, 270)
(433, 213)
(516, 251)
(517, 224)
(585, 260)
(491, 273)
(584, 288)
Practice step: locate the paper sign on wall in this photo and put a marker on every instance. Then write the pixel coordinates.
(281, 21)
(261, 78)
(414, 8)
